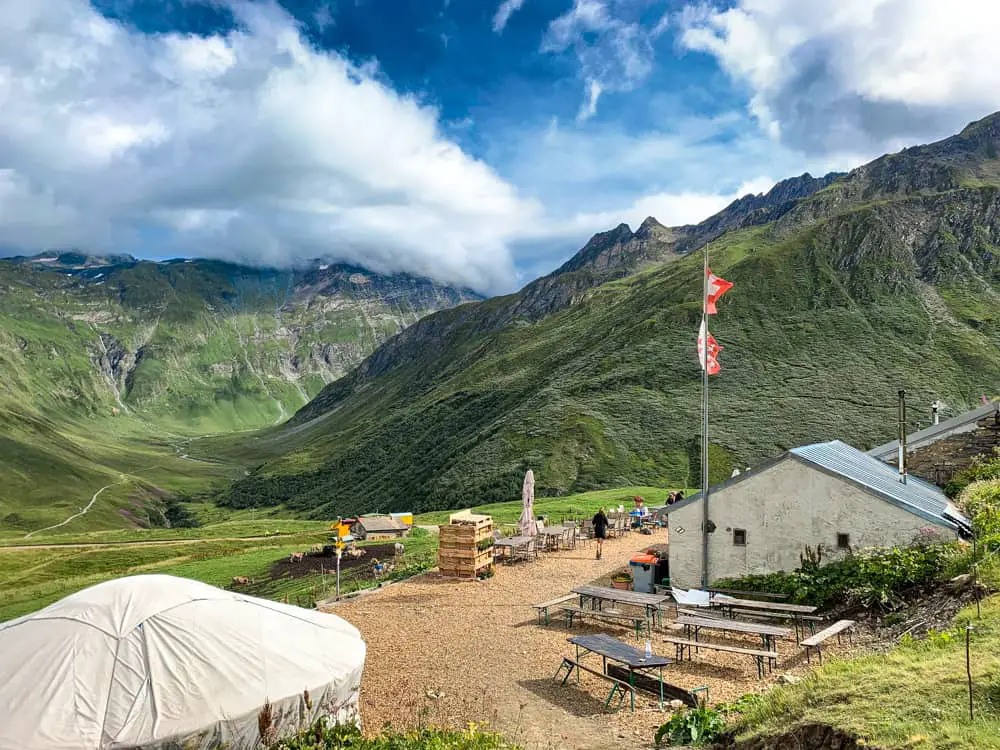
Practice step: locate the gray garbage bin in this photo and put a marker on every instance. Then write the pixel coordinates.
(643, 568)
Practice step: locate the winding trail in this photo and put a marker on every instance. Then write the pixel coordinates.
(83, 512)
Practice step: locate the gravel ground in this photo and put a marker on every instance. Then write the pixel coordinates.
(449, 651)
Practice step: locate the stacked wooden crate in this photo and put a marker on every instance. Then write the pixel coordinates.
(465, 546)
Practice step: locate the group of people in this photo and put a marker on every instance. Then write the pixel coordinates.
(600, 520)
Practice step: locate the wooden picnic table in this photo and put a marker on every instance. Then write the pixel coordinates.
(635, 661)
(651, 603)
(798, 613)
(767, 633)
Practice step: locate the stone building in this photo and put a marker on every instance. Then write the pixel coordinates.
(827, 495)
(938, 452)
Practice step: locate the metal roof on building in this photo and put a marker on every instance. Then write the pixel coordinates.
(917, 496)
(954, 426)
(376, 524)
(867, 472)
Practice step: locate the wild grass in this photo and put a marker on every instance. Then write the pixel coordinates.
(582, 505)
(914, 696)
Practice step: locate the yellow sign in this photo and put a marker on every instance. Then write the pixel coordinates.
(339, 544)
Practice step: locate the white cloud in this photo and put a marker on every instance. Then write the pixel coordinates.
(671, 209)
(504, 12)
(249, 145)
(614, 54)
(864, 75)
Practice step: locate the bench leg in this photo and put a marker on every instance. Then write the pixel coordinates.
(809, 654)
(568, 666)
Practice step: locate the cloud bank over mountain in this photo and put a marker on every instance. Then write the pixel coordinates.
(250, 145)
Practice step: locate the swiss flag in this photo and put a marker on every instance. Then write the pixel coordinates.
(716, 288)
(712, 355)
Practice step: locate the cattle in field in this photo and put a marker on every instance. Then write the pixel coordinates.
(400, 549)
(296, 557)
(240, 580)
(356, 553)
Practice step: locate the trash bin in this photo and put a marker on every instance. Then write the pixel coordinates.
(643, 569)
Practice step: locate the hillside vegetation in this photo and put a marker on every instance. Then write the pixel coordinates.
(884, 279)
(109, 365)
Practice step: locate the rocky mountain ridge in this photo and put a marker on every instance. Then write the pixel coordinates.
(588, 376)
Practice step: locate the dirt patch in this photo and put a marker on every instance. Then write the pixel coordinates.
(451, 652)
(320, 563)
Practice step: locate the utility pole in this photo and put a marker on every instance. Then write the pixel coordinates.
(902, 436)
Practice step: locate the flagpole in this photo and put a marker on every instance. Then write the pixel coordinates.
(704, 428)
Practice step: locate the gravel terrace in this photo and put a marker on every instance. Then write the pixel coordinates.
(445, 651)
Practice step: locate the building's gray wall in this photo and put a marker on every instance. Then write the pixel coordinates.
(784, 508)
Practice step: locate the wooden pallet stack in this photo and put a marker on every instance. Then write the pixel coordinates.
(465, 547)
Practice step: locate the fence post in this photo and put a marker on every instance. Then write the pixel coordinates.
(968, 665)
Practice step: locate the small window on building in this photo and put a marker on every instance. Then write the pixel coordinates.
(740, 537)
(843, 541)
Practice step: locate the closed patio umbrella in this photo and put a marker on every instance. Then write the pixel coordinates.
(527, 522)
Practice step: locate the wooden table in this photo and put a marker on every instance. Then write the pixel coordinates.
(767, 633)
(553, 534)
(792, 612)
(611, 648)
(651, 603)
(512, 543)
(729, 602)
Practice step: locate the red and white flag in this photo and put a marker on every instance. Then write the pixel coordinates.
(711, 357)
(716, 288)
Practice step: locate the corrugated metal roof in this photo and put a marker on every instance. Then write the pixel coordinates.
(961, 423)
(381, 523)
(917, 496)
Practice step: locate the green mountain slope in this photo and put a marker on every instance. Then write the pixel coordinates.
(883, 279)
(106, 364)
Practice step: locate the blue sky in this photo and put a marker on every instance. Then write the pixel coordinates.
(477, 141)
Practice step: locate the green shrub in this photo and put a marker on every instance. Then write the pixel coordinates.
(321, 736)
(873, 579)
(983, 468)
(696, 726)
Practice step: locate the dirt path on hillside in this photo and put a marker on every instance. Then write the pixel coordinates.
(83, 511)
(151, 542)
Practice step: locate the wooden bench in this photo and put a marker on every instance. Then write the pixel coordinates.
(618, 687)
(652, 686)
(637, 621)
(816, 641)
(747, 594)
(701, 612)
(681, 645)
(543, 608)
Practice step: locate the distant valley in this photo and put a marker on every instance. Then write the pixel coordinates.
(93, 347)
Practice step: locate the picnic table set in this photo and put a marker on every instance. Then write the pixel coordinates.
(717, 612)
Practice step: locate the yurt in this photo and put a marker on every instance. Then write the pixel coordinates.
(155, 661)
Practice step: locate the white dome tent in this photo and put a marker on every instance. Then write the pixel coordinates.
(154, 661)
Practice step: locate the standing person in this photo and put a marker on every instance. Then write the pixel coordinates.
(600, 522)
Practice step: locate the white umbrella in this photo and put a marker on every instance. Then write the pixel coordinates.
(527, 522)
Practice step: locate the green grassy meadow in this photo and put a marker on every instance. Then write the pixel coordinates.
(582, 505)
(32, 578)
(914, 696)
(246, 544)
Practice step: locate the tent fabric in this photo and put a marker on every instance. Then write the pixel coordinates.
(155, 661)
